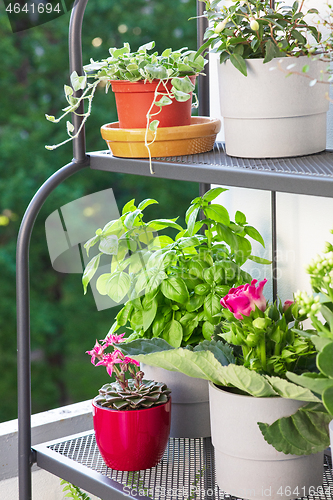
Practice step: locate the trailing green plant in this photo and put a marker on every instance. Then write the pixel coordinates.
(172, 287)
(125, 393)
(122, 64)
(252, 29)
(73, 491)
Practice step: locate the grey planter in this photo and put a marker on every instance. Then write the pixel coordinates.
(246, 465)
(190, 402)
(267, 115)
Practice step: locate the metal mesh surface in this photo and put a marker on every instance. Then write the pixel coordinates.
(186, 471)
(320, 164)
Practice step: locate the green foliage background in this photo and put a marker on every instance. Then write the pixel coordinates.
(33, 70)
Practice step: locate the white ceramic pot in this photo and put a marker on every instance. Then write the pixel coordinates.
(189, 402)
(267, 115)
(246, 465)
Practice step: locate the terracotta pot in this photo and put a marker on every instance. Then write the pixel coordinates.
(246, 465)
(133, 100)
(133, 439)
(267, 115)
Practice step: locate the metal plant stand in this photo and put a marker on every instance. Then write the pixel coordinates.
(187, 469)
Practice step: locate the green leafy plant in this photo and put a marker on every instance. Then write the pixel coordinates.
(265, 348)
(73, 491)
(253, 29)
(125, 393)
(122, 64)
(173, 286)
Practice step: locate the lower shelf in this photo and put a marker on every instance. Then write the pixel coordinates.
(186, 471)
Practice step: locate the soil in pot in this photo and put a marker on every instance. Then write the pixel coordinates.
(132, 439)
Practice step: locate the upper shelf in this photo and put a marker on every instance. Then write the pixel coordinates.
(312, 175)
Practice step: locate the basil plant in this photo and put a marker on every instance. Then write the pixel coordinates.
(171, 287)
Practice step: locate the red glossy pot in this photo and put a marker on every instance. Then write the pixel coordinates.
(132, 439)
(133, 100)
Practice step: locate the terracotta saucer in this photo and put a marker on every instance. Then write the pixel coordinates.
(199, 137)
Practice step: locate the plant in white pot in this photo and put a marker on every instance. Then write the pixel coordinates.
(131, 416)
(172, 286)
(265, 113)
(268, 433)
(319, 309)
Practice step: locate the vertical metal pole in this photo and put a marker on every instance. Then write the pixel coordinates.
(274, 244)
(203, 81)
(75, 64)
(25, 456)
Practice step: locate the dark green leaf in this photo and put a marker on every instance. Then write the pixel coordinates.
(239, 63)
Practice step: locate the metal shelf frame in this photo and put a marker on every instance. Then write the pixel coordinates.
(312, 175)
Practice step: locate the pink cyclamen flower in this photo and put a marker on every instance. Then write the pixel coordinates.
(109, 360)
(113, 339)
(287, 304)
(241, 301)
(96, 352)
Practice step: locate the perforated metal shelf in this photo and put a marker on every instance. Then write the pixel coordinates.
(186, 472)
(312, 174)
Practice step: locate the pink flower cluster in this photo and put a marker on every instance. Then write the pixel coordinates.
(111, 359)
(241, 301)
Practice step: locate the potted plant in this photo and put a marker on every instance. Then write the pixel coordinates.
(273, 115)
(318, 307)
(151, 91)
(131, 416)
(172, 286)
(268, 432)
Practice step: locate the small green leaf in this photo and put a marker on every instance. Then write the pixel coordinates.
(153, 125)
(213, 193)
(271, 51)
(325, 360)
(175, 289)
(240, 218)
(254, 234)
(173, 333)
(238, 61)
(109, 245)
(90, 271)
(146, 203)
(217, 213)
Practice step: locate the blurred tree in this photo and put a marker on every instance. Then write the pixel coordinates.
(33, 70)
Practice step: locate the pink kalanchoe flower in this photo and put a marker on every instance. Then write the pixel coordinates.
(128, 360)
(96, 352)
(241, 301)
(113, 339)
(109, 360)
